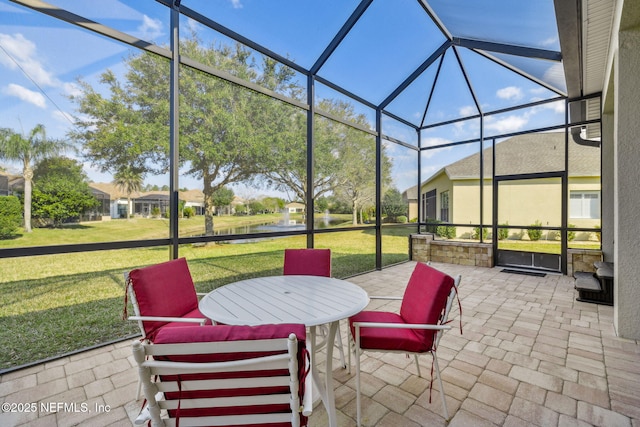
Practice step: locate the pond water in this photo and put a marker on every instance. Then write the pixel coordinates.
(284, 224)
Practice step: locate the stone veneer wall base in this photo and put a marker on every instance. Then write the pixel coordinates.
(425, 248)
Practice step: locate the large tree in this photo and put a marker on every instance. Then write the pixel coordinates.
(29, 149)
(60, 190)
(221, 138)
(288, 134)
(221, 198)
(392, 204)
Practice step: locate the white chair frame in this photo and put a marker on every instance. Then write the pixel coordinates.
(440, 327)
(149, 368)
(139, 318)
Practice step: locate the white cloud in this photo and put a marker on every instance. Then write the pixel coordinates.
(26, 95)
(557, 106)
(509, 92)
(550, 41)
(468, 110)
(508, 124)
(71, 89)
(435, 141)
(554, 75)
(236, 4)
(23, 55)
(150, 29)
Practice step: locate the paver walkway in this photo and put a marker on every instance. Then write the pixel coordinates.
(529, 355)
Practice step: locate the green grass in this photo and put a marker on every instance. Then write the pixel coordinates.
(131, 229)
(53, 304)
(542, 246)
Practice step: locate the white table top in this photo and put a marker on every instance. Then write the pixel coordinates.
(309, 300)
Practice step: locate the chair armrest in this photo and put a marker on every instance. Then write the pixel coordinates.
(385, 297)
(358, 325)
(201, 294)
(198, 320)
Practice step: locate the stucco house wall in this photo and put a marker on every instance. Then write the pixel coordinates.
(517, 199)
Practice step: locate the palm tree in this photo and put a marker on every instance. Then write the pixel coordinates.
(128, 181)
(29, 150)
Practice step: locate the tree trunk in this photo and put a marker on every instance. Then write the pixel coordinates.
(354, 214)
(28, 179)
(209, 208)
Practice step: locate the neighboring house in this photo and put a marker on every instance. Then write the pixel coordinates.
(294, 207)
(115, 204)
(452, 194)
(114, 197)
(410, 199)
(193, 199)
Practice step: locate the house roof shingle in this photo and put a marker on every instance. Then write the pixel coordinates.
(530, 153)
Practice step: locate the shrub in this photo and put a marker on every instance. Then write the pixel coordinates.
(535, 233)
(155, 211)
(571, 234)
(401, 219)
(188, 212)
(446, 231)
(476, 233)
(503, 233)
(10, 216)
(598, 233)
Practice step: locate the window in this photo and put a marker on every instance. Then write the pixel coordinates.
(584, 204)
(444, 206)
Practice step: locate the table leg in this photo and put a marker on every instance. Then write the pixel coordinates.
(325, 388)
(331, 408)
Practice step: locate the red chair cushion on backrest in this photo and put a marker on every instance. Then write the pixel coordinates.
(164, 289)
(425, 298)
(311, 262)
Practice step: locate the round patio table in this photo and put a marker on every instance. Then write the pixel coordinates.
(308, 300)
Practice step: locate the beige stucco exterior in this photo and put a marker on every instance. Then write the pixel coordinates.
(521, 202)
(517, 199)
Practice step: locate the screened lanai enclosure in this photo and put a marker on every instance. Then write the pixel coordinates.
(225, 131)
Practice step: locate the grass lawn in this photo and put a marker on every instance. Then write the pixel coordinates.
(543, 246)
(53, 304)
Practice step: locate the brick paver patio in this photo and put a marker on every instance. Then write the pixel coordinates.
(529, 355)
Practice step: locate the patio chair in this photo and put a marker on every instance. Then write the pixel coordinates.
(417, 329)
(312, 262)
(227, 375)
(162, 295)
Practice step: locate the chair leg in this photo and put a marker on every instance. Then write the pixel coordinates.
(444, 402)
(340, 346)
(139, 390)
(358, 402)
(415, 356)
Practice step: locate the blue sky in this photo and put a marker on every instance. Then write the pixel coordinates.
(41, 58)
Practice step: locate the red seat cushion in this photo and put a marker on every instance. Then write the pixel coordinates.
(311, 262)
(386, 339)
(195, 314)
(165, 290)
(228, 333)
